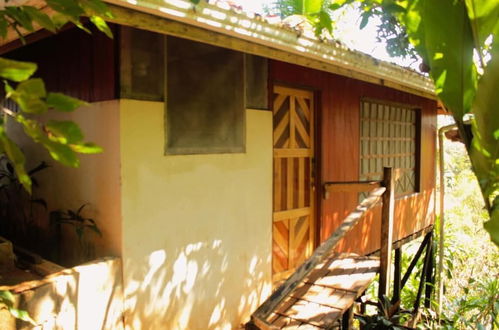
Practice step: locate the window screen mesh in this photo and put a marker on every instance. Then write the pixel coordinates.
(388, 139)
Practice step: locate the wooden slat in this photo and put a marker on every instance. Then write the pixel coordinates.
(292, 119)
(322, 252)
(283, 153)
(301, 182)
(279, 101)
(277, 184)
(301, 130)
(292, 243)
(281, 127)
(294, 213)
(304, 106)
(289, 183)
(320, 300)
(293, 91)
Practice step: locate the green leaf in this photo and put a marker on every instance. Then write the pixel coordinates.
(16, 70)
(484, 17)
(59, 20)
(484, 152)
(28, 95)
(65, 132)
(311, 6)
(41, 18)
(21, 315)
(69, 8)
(101, 25)
(7, 297)
(62, 153)
(16, 157)
(20, 16)
(365, 19)
(325, 21)
(63, 102)
(97, 8)
(31, 128)
(87, 148)
(446, 45)
(3, 27)
(33, 87)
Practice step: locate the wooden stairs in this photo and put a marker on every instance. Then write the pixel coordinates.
(326, 285)
(322, 297)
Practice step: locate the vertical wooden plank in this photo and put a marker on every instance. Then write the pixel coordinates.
(301, 182)
(289, 183)
(292, 118)
(386, 232)
(277, 184)
(292, 243)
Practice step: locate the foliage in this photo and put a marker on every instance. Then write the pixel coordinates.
(316, 12)
(471, 262)
(62, 139)
(17, 206)
(387, 318)
(447, 47)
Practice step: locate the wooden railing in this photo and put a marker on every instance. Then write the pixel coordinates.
(378, 190)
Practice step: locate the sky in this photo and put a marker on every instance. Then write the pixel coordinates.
(347, 31)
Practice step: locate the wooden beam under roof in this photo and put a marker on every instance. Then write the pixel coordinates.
(273, 42)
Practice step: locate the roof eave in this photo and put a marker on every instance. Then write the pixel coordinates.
(241, 26)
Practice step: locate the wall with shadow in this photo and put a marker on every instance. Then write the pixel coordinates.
(95, 182)
(196, 228)
(89, 296)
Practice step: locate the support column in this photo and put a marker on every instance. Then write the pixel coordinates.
(386, 233)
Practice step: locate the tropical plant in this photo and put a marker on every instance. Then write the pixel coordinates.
(62, 139)
(387, 317)
(17, 206)
(81, 226)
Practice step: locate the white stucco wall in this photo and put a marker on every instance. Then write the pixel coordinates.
(196, 228)
(96, 182)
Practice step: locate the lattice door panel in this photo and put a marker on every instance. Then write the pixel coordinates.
(293, 227)
(290, 243)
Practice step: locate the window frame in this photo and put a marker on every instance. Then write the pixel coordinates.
(417, 139)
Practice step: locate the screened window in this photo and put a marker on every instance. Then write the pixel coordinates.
(388, 137)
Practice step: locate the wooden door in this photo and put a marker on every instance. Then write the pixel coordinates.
(293, 229)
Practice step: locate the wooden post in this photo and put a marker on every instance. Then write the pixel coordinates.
(397, 280)
(347, 319)
(415, 259)
(386, 233)
(430, 277)
(423, 275)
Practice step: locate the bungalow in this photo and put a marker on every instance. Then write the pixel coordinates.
(223, 134)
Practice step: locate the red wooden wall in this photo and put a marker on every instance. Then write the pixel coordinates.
(75, 63)
(338, 110)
